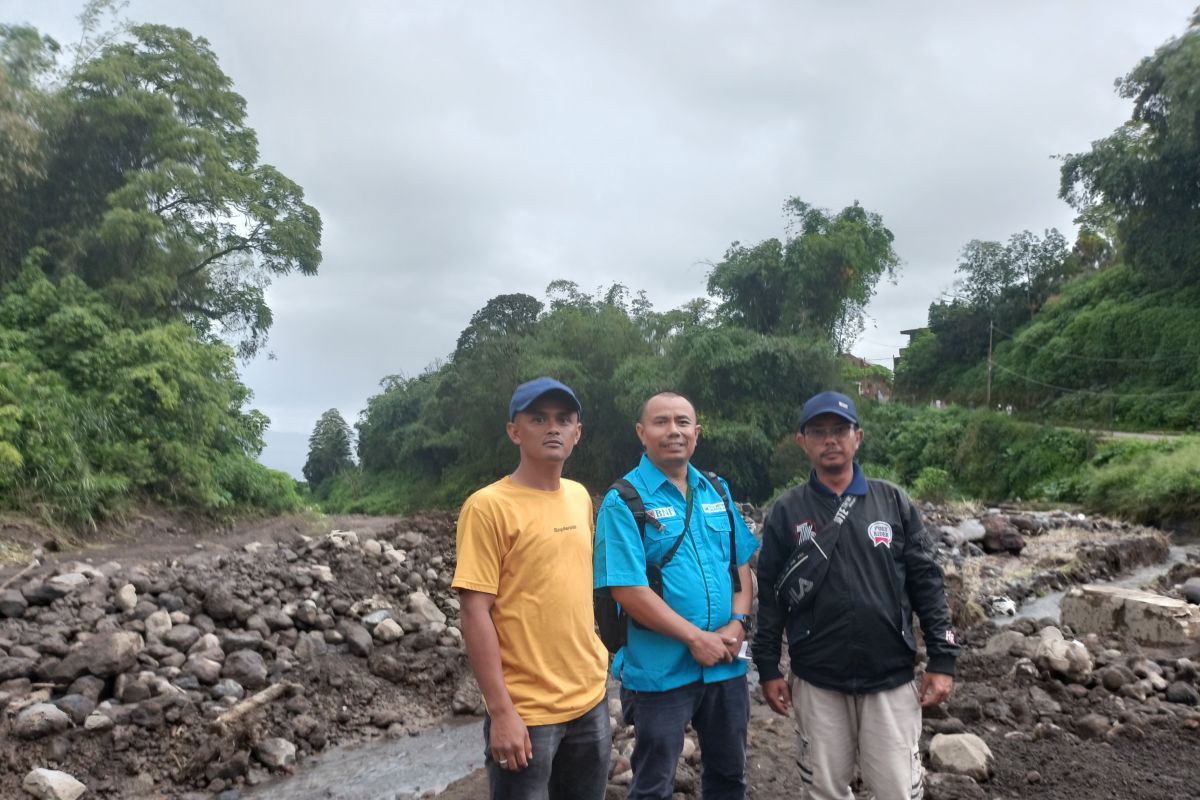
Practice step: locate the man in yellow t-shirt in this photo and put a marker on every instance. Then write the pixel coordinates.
(524, 579)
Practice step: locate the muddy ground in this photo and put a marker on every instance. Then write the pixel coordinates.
(407, 684)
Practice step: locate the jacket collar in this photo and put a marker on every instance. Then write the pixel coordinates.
(858, 484)
(653, 478)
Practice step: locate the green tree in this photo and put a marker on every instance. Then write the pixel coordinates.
(145, 181)
(1024, 271)
(503, 315)
(328, 449)
(817, 281)
(99, 413)
(136, 224)
(1146, 174)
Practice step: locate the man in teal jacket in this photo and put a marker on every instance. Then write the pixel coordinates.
(681, 663)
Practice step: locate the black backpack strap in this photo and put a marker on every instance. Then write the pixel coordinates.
(627, 493)
(733, 565)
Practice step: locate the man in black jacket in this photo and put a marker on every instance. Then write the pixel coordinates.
(850, 639)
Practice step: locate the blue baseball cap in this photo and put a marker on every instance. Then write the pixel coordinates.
(526, 393)
(829, 403)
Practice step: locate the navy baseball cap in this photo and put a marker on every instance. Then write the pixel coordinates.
(526, 393)
(829, 403)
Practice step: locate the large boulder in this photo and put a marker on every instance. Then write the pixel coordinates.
(276, 752)
(1191, 590)
(125, 598)
(50, 784)
(1005, 642)
(961, 754)
(40, 719)
(1001, 536)
(108, 654)
(971, 530)
(12, 603)
(358, 639)
(15, 668)
(67, 583)
(181, 637)
(247, 668)
(421, 605)
(1067, 660)
(219, 603)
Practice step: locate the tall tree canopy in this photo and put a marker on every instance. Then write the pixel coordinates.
(328, 449)
(137, 229)
(1146, 174)
(1025, 271)
(136, 171)
(434, 438)
(817, 281)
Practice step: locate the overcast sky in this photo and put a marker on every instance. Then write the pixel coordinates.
(457, 151)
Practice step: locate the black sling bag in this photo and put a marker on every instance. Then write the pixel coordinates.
(809, 563)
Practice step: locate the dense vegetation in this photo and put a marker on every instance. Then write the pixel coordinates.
(746, 362)
(1106, 332)
(138, 232)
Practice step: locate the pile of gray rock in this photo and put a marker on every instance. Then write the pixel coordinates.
(1000, 530)
(97, 660)
(1071, 549)
(1032, 681)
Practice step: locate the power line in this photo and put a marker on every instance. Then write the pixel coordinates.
(1182, 357)
(1114, 395)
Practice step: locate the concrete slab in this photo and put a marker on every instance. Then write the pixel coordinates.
(1149, 618)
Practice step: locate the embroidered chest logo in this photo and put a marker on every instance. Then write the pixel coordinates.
(880, 533)
(661, 513)
(804, 531)
(712, 508)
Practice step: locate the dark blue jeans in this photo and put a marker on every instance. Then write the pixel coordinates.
(570, 760)
(720, 713)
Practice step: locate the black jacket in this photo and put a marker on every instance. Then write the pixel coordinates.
(857, 635)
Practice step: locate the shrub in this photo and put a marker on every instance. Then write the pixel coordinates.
(1151, 483)
(933, 485)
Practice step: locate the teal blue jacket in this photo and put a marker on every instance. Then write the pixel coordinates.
(696, 583)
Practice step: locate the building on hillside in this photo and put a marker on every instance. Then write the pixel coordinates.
(911, 333)
(870, 381)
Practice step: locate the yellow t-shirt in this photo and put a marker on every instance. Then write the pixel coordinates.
(532, 549)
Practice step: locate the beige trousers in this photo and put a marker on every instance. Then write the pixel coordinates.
(878, 732)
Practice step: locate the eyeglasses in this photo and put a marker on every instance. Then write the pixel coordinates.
(838, 432)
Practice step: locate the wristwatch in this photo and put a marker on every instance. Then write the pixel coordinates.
(745, 619)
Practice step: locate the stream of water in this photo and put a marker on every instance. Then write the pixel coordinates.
(1050, 605)
(385, 769)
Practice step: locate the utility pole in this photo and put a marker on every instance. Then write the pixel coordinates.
(989, 379)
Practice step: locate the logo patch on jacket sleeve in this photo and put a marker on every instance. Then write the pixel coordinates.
(804, 531)
(880, 533)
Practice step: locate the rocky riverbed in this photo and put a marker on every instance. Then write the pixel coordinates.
(205, 669)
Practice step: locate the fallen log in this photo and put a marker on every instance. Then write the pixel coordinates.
(256, 701)
(13, 578)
